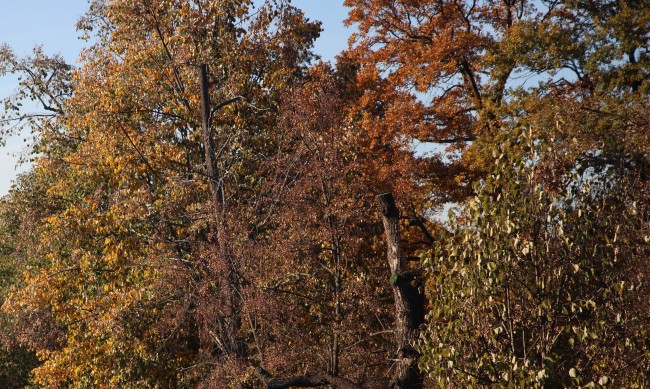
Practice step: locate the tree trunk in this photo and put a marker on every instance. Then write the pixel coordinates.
(409, 310)
(229, 322)
(212, 169)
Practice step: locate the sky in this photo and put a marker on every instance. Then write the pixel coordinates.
(51, 23)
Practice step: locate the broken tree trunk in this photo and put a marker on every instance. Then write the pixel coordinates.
(409, 310)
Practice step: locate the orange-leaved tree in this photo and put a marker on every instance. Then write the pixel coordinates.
(446, 72)
(464, 76)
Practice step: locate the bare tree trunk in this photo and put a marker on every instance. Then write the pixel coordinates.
(212, 169)
(409, 310)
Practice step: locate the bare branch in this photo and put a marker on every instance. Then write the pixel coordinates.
(304, 381)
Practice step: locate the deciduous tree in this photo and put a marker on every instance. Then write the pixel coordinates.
(445, 72)
(542, 283)
(131, 275)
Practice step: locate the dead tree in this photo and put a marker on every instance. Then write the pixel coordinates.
(409, 310)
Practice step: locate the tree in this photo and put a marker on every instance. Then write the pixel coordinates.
(201, 213)
(156, 271)
(320, 271)
(16, 360)
(130, 274)
(541, 285)
(41, 78)
(449, 73)
(446, 72)
(47, 80)
(409, 304)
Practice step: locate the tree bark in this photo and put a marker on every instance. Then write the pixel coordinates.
(212, 169)
(409, 310)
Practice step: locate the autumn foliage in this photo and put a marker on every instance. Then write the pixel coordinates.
(201, 210)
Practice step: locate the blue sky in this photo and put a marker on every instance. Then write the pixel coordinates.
(24, 24)
(50, 23)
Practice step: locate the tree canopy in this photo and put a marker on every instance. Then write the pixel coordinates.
(210, 206)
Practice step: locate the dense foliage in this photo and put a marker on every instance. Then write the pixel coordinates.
(201, 208)
(542, 286)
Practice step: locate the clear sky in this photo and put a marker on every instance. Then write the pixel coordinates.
(51, 23)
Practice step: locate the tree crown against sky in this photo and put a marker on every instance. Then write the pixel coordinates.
(44, 23)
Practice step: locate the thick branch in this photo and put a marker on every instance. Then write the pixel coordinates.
(466, 70)
(450, 140)
(415, 221)
(225, 103)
